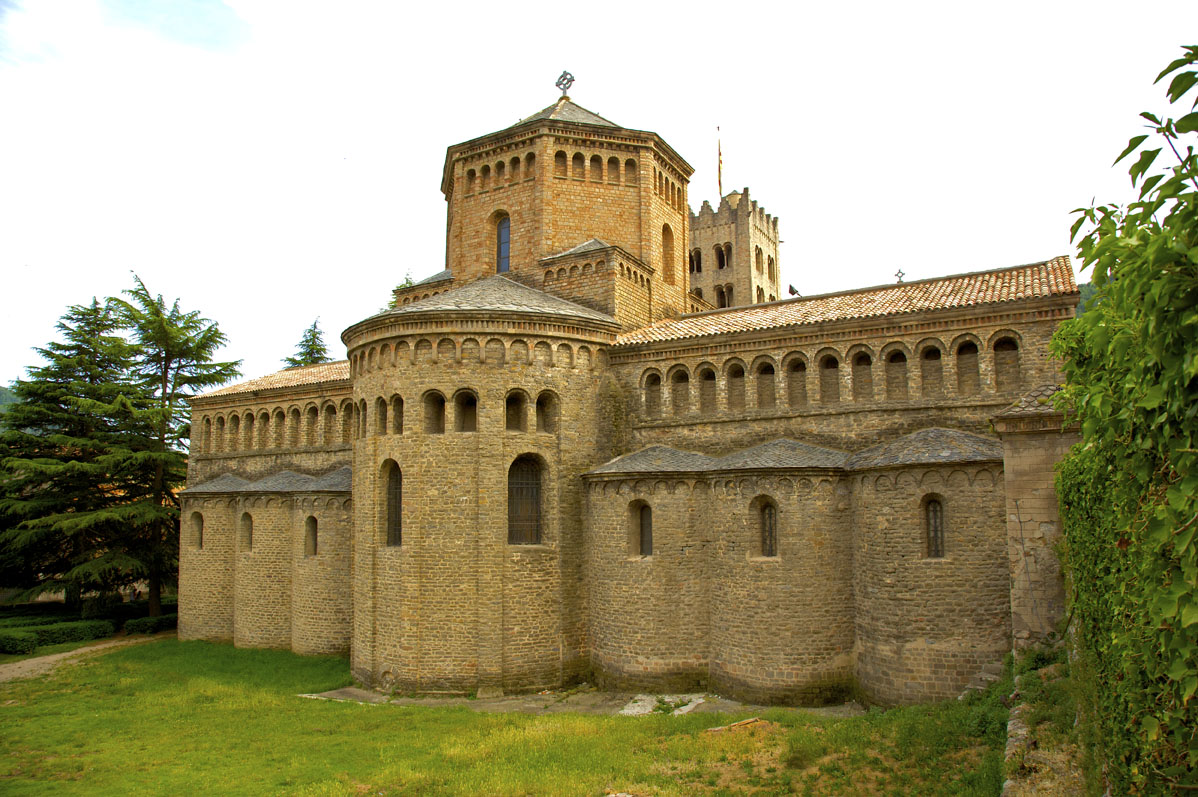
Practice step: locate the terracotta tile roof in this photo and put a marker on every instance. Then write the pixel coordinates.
(1050, 278)
(1035, 402)
(290, 377)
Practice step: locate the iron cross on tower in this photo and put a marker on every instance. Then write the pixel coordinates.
(565, 82)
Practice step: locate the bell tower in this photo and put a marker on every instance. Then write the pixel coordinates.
(572, 203)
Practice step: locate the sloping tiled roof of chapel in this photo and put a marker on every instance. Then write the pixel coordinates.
(499, 294)
(567, 111)
(290, 377)
(1037, 280)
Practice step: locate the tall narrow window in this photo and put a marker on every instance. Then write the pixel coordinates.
(515, 412)
(967, 369)
(667, 253)
(394, 504)
(707, 391)
(645, 526)
(652, 395)
(197, 530)
(736, 388)
(1006, 364)
(503, 244)
(896, 376)
(547, 413)
(829, 380)
(465, 412)
(934, 513)
(765, 387)
(769, 529)
(310, 536)
(863, 377)
(680, 392)
(434, 413)
(524, 502)
(796, 383)
(931, 372)
(719, 257)
(247, 532)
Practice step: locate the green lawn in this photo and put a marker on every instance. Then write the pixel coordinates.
(173, 717)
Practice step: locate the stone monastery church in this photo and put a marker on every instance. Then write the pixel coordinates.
(600, 446)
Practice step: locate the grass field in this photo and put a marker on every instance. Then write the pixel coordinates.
(174, 717)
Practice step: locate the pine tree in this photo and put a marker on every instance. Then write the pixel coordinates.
(172, 361)
(311, 349)
(58, 487)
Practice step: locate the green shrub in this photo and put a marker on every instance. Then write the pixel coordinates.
(17, 642)
(79, 631)
(152, 625)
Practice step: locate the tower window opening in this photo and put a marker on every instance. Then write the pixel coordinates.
(393, 502)
(503, 243)
(934, 520)
(524, 502)
(768, 520)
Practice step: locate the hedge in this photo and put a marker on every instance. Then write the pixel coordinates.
(79, 631)
(151, 625)
(17, 642)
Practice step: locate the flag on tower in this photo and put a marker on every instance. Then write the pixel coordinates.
(720, 169)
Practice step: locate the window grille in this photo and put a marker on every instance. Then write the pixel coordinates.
(935, 521)
(394, 506)
(646, 523)
(524, 503)
(769, 530)
(503, 242)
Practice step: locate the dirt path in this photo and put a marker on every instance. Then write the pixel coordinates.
(41, 665)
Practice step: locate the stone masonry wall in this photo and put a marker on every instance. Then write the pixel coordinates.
(1031, 449)
(926, 625)
(262, 573)
(206, 569)
(454, 607)
(321, 605)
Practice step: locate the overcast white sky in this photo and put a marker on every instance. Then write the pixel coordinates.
(272, 162)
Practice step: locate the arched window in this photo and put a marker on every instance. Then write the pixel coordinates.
(547, 413)
(796, 383)
(760, 295)
(931, 372)
(736, 388)
(613, 170)
(596, 169)
(503, 244)
(934, 528)
(219, 439)
(720, 301)
(515, 412)
(578, 166)
(1006, 364)
(524, 502)
(470, 176)
(484, 178)
(863, 377)
(465, 415)
(773, 271)
(630, 172)
(640, 528)
(829, 380)
(514, 171)
(698, 292)
(680, 392)
(559, 164)
(311, 423)
(728, 294)
(530, 162)
(310, 536)
(247, 532)
(728, 262)
(765, 387)
(206, 440)
(197, 530)
(396, 415)
(720, 262)
(434, 413)
(393, 503)
(768, 522)
(667, 253)
(707, 391)
(967, 369)
(896, 376)
(380, 416)
(652, 395)
(759, 259)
